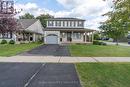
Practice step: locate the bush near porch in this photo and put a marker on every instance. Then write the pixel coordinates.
(7, 50)
(99, 51)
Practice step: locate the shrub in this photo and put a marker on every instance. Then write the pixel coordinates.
(95, 42)
(3, 42)
(102, 43)
(11, 42)
(40, 41)
(99, 43)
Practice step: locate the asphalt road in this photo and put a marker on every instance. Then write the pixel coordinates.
(48, 50)
(38, 75)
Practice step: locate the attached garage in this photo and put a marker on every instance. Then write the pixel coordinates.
(51, 39)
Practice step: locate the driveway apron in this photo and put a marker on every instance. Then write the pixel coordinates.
(56, 75)
(38, 75)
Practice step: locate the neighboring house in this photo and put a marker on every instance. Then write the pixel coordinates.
(67, 30)
(30, 30)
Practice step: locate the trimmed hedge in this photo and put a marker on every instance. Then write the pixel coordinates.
(4, 42)
(11, 42)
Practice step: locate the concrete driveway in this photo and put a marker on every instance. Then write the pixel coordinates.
(38, 75)
(48, 50)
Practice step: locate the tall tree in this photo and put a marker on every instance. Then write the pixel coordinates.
(27, 16)
(43, 18)
(8, 23)
(118, 23)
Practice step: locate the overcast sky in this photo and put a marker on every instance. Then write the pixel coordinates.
(90, 10)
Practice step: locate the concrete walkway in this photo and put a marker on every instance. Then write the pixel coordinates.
(51, 59)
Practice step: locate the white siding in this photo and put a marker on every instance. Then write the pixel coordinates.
(36, 28)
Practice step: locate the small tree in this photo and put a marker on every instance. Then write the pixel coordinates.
(97, 36)
(118, 24)
(8, 25)
(43, 18)
(113, 30)
(7, 21)
(27, 16)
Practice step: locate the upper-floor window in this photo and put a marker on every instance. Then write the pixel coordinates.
(69, 24)
(72, 24)
(65, 23)
(61, 23)
(76, 23)
(58, 23)
(50, 23)
(80, 24)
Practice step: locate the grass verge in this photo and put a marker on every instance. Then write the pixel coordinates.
(11, 50)
(104, 74)
(99, 51)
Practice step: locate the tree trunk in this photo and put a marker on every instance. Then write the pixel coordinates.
(117, 43)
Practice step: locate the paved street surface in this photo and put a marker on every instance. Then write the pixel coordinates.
(38, 75)
(48, 50)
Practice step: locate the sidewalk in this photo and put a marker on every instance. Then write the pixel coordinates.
(51, 59)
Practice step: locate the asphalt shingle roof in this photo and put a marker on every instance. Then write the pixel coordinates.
(66, 19)
(25, 23)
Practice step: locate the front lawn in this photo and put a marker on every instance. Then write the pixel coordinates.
(104, 74)
(11, 50)
(99, 51)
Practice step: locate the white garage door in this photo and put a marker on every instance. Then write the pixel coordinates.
(52, 39)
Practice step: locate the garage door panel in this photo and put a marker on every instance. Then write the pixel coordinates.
(52, 40)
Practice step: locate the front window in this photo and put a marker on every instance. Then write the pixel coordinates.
(63, 35)
(77, 36)
(7, 35)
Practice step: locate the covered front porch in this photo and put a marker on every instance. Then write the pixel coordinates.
(76, 36)
(27, 37)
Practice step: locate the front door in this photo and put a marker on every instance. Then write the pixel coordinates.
(69, 39)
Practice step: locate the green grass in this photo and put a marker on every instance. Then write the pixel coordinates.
(11, 50)
(99, 51)
(104, 74)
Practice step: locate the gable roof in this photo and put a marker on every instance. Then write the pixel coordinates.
(25, 23)
(30, 25)
(72, 19)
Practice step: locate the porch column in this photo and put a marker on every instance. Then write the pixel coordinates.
(29, 37)
(85, 36)
(34, 37)
(89, 37)
(72, 35)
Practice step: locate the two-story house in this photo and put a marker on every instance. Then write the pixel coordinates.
(67, 30)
